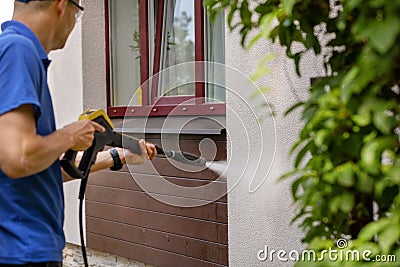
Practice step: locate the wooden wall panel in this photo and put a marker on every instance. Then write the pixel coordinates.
(191, 247)
(167, 167)
(141, 200)
(204, 230)
(124, 180)
(146, 254)
(124, 219)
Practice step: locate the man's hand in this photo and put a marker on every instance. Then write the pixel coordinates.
(148, 153)
(82, 133)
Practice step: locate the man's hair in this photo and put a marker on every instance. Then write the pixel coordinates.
(36, 4)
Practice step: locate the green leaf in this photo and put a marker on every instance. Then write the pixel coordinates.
(383, 35)
(347, 202)
(365, 183)
(380, 187)
(284, 36)
(344, 203)
(319, 243)
(295, 188)
(321, 137)
(362, 120)
(289, 174)
(389, 236)
(381, 119)
(301, 154)
(232, 10)
(288, 6)
(351, 4)
(394, 175)
(372, 229)
(330, 177)
(295, 106)
(265, 28)
(264, 8)
(209, 3)
(370, 246)
(365, 110)
(371, 153)
(347, 85)
(245, 13)
(346, 175)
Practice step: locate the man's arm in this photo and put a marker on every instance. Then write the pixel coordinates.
(24, 153)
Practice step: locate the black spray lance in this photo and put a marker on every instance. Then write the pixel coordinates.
(132, 144)
(114, 139)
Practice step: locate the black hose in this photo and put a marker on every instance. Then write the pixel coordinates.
(186, 158)
(81, 201)
(183, 157)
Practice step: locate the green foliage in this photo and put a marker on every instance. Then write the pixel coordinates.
(347, 157)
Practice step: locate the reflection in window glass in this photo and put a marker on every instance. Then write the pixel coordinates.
(215, 52)
(177, 47)
(125, 52)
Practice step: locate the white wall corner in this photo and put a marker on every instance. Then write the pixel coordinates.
(65, 81)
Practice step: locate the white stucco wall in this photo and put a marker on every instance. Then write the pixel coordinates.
(263, 218)
(65, 81)
(94, 57)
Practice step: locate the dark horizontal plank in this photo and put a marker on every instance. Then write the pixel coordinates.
(123, 179)
(154, 184)
(171, 168)
(144, 254)
(195, 228)
(195, 248)
(140, 200)
(174, 136)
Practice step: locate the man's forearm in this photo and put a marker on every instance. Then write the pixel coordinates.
(34, 154)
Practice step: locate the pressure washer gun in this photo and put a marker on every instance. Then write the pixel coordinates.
(114, 139)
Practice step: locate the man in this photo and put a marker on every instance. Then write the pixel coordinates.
(31, 192)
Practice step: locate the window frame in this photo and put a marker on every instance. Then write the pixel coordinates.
(162, 105)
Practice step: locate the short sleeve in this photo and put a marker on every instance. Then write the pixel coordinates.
(20, 72)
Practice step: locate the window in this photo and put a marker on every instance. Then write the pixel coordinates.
(147, 43)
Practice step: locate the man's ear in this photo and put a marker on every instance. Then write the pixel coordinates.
(61, 7)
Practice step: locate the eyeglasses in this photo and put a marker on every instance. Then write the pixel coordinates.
(79, 14)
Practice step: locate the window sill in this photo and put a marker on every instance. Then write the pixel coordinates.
(208, 109)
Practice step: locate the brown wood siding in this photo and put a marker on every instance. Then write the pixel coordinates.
(124, 220)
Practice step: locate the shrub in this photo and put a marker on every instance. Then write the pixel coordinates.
(347, 157)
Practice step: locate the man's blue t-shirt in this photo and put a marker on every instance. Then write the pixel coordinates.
(31, 208)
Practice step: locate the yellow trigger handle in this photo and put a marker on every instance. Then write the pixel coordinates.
(92, 114)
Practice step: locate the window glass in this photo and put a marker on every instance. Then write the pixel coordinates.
(177, 47)
(125, 52)
(214, 44)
